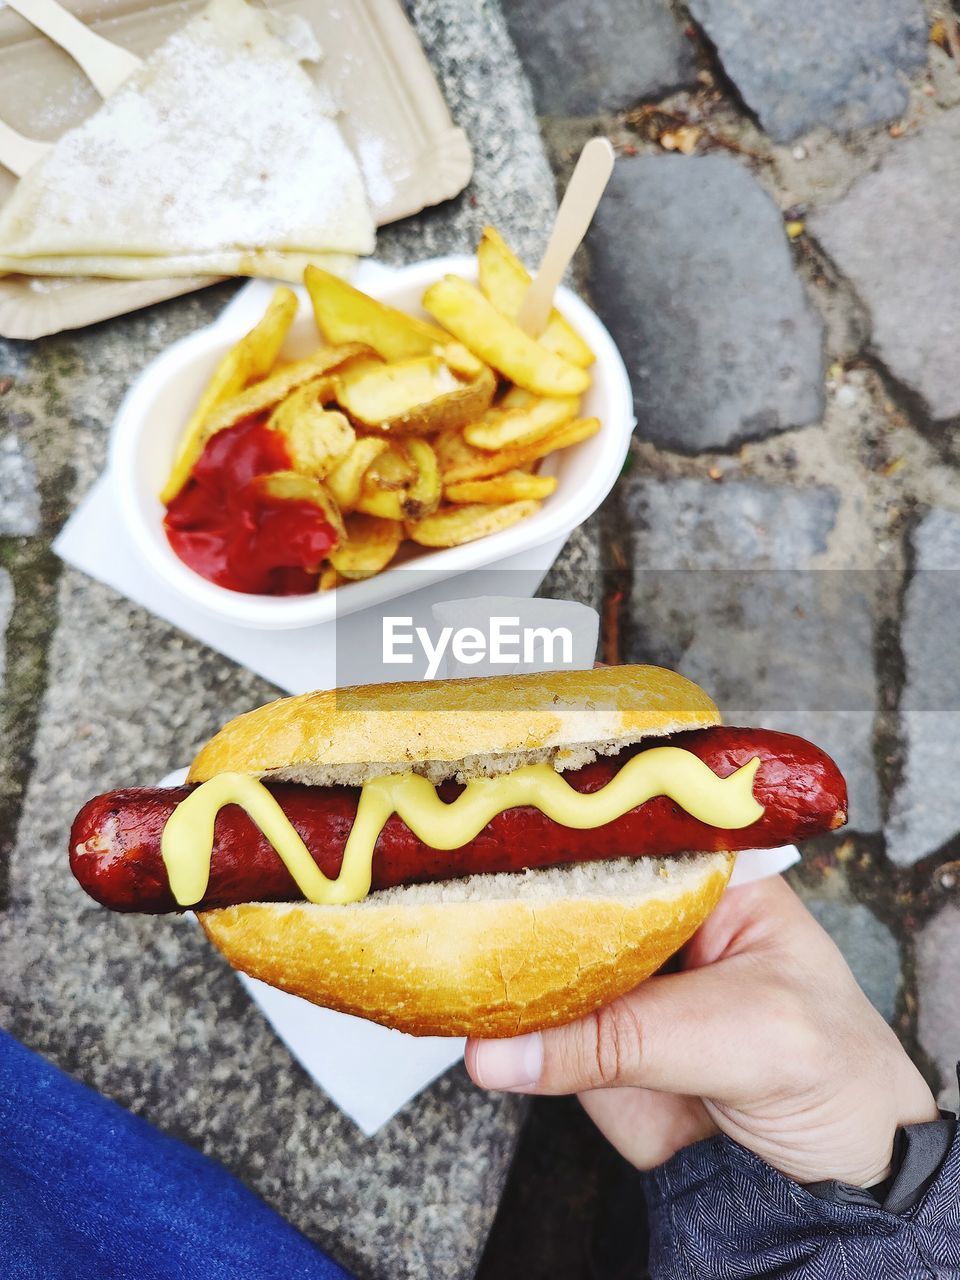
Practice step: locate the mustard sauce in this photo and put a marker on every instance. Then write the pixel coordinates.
(187, 842)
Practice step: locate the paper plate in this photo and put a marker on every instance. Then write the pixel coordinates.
(411, 152)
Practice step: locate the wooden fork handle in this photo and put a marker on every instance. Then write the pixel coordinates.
(17, 153)
(107, 65)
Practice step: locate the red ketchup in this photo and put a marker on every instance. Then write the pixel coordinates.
(228, 527)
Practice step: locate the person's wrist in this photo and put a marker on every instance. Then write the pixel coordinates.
(908, 1100)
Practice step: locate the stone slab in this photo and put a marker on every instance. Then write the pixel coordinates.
(692, 272)
(6, 609)
(141, 1008)
(577, 572)
(19, 498)
(925, 807)
(938, 982)
(724, 591)
(586, 57)
(868, 946)
(477, 69)
(802, 65)
(886, 235)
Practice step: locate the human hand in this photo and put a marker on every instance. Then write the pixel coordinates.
(764, 1035)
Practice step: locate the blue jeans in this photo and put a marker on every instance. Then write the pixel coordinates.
(90, 1192)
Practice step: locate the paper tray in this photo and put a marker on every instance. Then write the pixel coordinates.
(393, 115)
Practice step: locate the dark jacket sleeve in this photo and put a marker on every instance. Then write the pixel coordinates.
(717, 1211)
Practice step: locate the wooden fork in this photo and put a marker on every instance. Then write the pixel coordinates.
(106, 65)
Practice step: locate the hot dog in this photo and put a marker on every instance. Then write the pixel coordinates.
(485, 856)
(115, 850)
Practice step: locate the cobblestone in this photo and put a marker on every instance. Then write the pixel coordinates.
(938, 964)
(925, 808)
(725, 589)
(692, 272)
(584, 57)
(801, 65)
(474, 61)
(868, 945)
(885, 235)
(19, 498)
(6, 608)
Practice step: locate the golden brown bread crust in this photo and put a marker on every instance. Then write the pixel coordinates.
(495, 967)
(406, 725)
(493, 955)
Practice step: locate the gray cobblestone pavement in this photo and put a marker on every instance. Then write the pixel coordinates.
(786, 529)
(802, 571)
(925, 806)
(6, 608)
(20, 512)
(869, 945)
(723, 590)
(703, 245)
(584, 58)
(883, 235)
(938, 950)
(798, 66)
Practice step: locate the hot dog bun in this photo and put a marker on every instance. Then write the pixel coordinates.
(490, 955)
(455, 728)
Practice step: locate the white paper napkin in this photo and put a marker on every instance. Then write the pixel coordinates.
(295, 661)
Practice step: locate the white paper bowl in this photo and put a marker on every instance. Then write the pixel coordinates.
(158, 404)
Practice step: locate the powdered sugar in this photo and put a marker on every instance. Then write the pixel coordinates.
(220, 141)
(379, 184)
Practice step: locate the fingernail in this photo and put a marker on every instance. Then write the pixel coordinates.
(510, 1064)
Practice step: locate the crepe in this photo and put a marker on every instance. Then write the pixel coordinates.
(220, 146)
(264, 262)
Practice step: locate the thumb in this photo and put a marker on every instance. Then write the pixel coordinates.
(678, 1033)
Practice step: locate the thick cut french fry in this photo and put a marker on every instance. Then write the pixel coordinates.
(345, 479)
(267, 394)
(512, 427)
(292, 486)
(370, 544)
(462, 361)
(389, 504)
(251, 359)
(417, 396)
(416, 499)
(405, 429)
(460, 461)
(496, 340)
(255, 401)
(512, 486)
(455, 457)
(393, 469)
(451, 526)
(329, 578)
(345, 314)
(505, 281)
(516, 398)
(317, 439)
